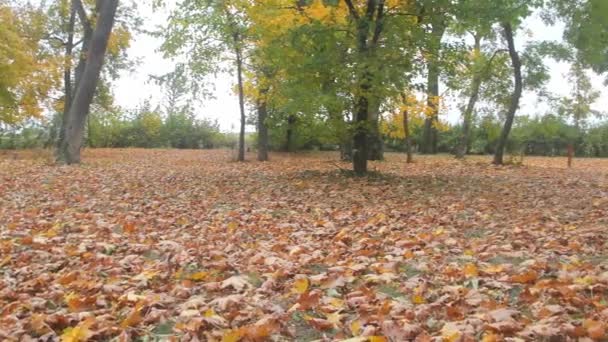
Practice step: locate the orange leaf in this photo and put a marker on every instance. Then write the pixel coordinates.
(528, 277)
(595, 329)
(470, 270)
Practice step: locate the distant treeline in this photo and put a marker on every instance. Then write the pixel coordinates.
(548, 135)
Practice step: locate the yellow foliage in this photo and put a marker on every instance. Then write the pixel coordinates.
(78, 333)
(28, 74)
(417, 111)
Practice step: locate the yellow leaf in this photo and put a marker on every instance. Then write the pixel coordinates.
(232, 336)
(209, 313)
(78, 333)
(300, 285)
(134, 318)
(334, 318)
(449, 334)
(355, 327)
(198, 276)
(491, 337)
(378, 339)
(470, 270)
(418, 299)
(439, 231)
(5, 261)
(494, 269)
(585, 280)
(232, 226)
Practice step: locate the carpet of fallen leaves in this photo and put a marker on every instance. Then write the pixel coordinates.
(187, 245)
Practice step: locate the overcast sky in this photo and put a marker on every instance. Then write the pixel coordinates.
(134, 87)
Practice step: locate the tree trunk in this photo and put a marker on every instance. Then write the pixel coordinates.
(408, 137)
(376, 145)
(429, 136)
(291, 121)
(69, 150)
(67, 72)
(239, 71)
(467, 116)
(360, 137)
(262, 128)
(516, 62)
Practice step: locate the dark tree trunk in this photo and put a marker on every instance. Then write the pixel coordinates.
(262, 128)
(239, 71)
(360, 138)
(69, 150)
(291, 121)
(86, 40)
(408, 137)
(516, 62)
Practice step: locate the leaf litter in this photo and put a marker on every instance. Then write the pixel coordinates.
(185, 245)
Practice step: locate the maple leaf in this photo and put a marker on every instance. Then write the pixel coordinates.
(79, 333)
(237, 282)
(300, 285)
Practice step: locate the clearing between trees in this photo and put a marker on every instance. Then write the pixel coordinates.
(164, 243)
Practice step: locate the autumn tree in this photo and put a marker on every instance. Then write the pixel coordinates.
(87, 77)
(30, 71)
(214, 36)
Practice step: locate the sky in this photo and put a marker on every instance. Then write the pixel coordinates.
(133, 87)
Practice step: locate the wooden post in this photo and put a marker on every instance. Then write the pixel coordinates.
(570, 155)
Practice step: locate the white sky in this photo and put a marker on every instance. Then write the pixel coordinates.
(134, 87)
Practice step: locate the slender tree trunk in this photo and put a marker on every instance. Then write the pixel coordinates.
(262, 128)
(463, 146)
(69, 150)
(429, 136)
(516, 62)
(376, 145)
(291, 121)
(408, 137)
(67, 72)
(239, 70)
(467, 116)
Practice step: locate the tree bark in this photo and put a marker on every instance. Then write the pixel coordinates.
(514, 105)
(69, 149)
(429, 136)
(408, 137)
(262, 128)
(67, 72)
(467, 116)
(376, 145)
(239, 70)
(291, 121)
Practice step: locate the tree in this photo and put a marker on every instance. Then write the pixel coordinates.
(586, 30)
(212, 32)
(30, 72)
(86, 83)
(515, 97)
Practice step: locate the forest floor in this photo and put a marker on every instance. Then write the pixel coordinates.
(154, 243)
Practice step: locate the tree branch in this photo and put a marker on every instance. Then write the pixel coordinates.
(352, 9)
(379, 23)
(82, 14)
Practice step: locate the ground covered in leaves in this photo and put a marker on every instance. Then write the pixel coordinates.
(188, 245)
